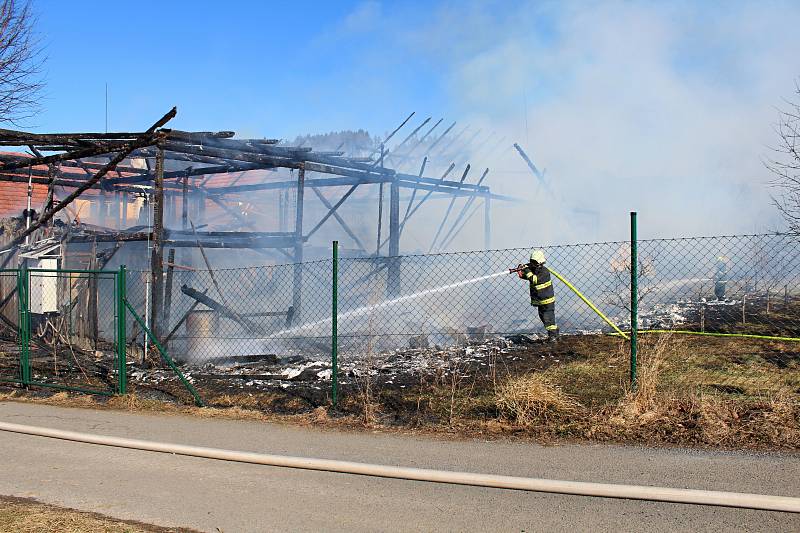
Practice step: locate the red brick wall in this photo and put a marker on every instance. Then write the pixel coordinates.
(14, 198)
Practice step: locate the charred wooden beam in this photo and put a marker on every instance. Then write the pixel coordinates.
(297, 272)
(168, 285)
(157, 253)
(338, 218)
(467, 205)
(447, 212)
(332, 210)
(144, 141)
(198, 135)
(44, 138)
(253, 242)
(207, 239)
(15, 162)
(235, 155)
(293, 154)
(536, 172)
(410, 135)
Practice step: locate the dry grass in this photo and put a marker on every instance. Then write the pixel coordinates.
(697, 392)
(531, 400)
(651, 361)
(658, 411)
(21, 515)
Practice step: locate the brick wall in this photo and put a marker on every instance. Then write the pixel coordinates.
(14, 198)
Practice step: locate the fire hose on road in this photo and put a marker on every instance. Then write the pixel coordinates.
(662, 494)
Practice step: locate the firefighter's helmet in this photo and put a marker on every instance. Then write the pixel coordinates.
(537, 256)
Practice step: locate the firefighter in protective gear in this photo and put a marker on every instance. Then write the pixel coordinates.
(542, 293)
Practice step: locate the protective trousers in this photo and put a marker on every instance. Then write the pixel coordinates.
(547, 314)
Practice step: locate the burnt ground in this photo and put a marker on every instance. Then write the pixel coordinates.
(455, 388)
(298, 384)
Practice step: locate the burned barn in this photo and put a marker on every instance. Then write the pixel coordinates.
(180, 208)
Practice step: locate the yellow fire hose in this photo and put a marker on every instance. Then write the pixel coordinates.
(621, 333)
(587, 302)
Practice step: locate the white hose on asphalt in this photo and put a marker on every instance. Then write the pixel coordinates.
(605, 490)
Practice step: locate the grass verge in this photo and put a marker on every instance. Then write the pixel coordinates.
(24, 515)
(724, 393)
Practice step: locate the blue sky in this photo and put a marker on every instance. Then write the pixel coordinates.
(663, 107)
(261, 68)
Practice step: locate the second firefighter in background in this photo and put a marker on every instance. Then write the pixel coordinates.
(542, 293)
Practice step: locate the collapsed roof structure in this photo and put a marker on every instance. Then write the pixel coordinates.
(193, 170)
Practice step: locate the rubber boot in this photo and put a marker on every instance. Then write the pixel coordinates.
(552, 335)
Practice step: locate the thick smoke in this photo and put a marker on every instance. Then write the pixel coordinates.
(662, 108)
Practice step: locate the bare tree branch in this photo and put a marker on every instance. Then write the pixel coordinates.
(20, 62)
(785, 163)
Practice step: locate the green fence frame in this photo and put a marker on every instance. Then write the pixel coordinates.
(24, 330)
(121, 309)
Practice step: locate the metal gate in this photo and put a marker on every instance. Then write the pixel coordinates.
(63, 329)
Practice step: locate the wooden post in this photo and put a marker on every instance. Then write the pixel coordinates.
(185, 204)
(380, 208)
(157, 256)
(380, 219)
(393, 284)
(185, 254)
(168, 289)
(297, 278)
(487, 223)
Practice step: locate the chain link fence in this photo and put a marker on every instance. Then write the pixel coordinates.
(270, 326)
(60, 329)
(717, 314)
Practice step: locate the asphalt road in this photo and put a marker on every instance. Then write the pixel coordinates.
(205, 494)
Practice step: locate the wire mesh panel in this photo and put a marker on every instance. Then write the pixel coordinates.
(449, 298)
(269, 325)
(9, 327)
(741, 286)
(229, 315)
(72, 334)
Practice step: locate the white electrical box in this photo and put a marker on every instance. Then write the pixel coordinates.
(43, 296)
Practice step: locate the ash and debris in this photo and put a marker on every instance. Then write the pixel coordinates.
(402, 367)
(394, 367)
(688, 312)
(682, 313)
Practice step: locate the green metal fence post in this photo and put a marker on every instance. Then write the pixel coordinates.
(634, 298)
(334, 326)
(164, 355)
(24, 324)
(122, 356)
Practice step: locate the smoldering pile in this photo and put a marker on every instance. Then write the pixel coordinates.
(397, 366)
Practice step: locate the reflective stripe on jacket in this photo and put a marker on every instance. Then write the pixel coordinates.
(541, 285)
